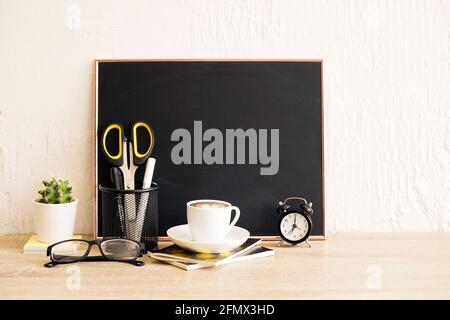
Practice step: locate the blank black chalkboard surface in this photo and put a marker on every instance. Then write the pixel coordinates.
(246, 131)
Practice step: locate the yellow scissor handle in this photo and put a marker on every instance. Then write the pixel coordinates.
(116, 159)
(140, 158)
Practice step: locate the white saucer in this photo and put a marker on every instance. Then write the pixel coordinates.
(181, 236)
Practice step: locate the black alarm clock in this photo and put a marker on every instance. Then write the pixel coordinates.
(295, 223)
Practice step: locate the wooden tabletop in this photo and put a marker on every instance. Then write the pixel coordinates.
(391, 266)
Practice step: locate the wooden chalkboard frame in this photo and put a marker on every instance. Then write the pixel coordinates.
(95, 125)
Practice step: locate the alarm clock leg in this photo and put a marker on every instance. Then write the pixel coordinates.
(280, 243)
(308, 243)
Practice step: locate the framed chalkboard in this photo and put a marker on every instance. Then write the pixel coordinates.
(246, 131)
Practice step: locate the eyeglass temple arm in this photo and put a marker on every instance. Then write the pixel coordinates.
(137, 263)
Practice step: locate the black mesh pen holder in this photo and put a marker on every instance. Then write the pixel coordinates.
(131, 214)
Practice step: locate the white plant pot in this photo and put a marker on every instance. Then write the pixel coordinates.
(55, 222)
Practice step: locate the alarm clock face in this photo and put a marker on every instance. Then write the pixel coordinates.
(294, 227)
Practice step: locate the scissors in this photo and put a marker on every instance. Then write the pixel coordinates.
(131, 154)
(128, 146)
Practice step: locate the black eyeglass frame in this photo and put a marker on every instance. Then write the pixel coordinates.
(103, 256)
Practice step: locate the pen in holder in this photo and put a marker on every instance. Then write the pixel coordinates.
(142, 205)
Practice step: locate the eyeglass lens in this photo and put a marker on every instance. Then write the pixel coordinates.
(120, 249)
(69, 251)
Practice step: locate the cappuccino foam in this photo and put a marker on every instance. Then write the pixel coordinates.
(209, 204)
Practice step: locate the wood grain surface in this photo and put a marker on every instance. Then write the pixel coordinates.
(362, 266)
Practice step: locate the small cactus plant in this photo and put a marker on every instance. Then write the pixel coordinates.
(55, 192)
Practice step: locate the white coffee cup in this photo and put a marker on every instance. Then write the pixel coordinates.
(209, 220)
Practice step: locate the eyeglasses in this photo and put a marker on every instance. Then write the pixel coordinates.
(70, 251)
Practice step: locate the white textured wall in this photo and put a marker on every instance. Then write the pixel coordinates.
(386, 86)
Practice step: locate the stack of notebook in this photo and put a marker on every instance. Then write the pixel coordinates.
(34, 245)
(187, 260)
